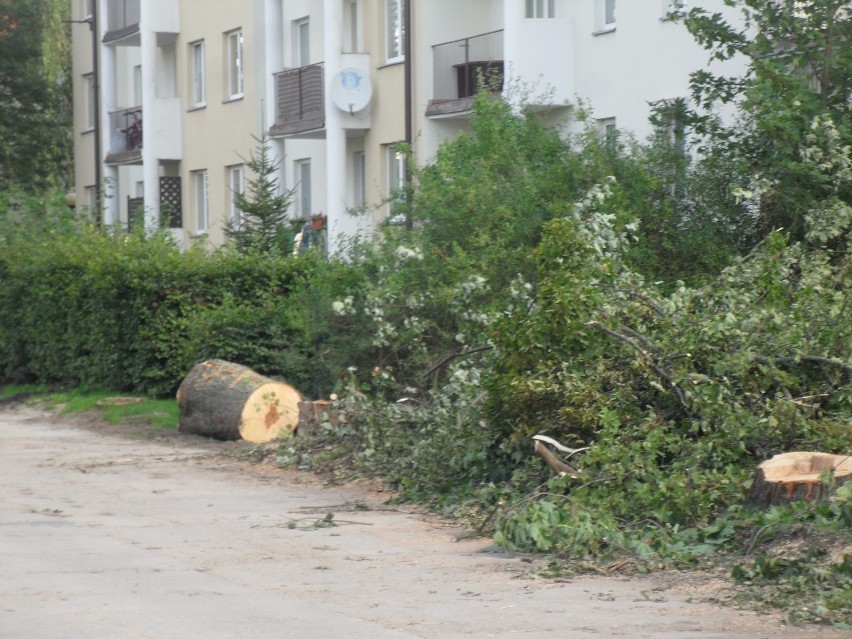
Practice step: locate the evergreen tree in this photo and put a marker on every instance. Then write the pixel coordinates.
(263, 225)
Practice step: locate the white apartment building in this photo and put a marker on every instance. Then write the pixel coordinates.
(181, 89)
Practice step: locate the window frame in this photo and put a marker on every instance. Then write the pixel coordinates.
(394, 31)
(396, 171)
(302, 42)
(359, 179)
(301, 169)
(605, 16)
(199, 74)
(234, 65)
(236, 187)
(202, 201)
(91, 98)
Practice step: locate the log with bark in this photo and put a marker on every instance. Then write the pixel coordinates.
(798, 476)
(227, 401)
(313, 414)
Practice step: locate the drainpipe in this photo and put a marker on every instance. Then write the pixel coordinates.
(93, 26)
(409, 101)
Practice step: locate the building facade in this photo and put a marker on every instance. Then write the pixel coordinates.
(172, 96)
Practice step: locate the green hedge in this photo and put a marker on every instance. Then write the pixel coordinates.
(130, 313)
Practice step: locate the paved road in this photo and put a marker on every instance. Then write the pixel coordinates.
(104, 535)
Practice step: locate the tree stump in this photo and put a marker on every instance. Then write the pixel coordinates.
(795, 476)
(228, 401)
(313, 414)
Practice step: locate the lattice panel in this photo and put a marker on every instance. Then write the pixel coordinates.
(170, 198)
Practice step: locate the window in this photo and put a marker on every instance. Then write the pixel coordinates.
(137, 85)
(359, 179)
(609, 14)
(604, 16)
(235, 65)
(396, 183)
(92, 199)
(352, 41)
(541, 8)
(395, 29)
(202, 216)
(608, 131)
(199, 86)
(669, 116)
(88, 8)
(236, 185)
(302, 42)
(303, 188)
(91, 99)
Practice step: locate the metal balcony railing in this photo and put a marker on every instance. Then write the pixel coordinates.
(299, 100)
(125, 134)
(463, 67)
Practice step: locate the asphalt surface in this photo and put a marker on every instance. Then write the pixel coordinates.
(104, 535)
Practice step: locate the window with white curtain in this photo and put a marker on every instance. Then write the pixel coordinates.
(235, 64)
(199, 83)
(236, 186)
(541, 9)
(202, 210)
(395, 30)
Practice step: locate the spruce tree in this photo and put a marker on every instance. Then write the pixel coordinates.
(263, 225)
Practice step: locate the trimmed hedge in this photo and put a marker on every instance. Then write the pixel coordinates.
(134, 314)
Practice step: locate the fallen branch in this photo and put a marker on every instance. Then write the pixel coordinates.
(558, 465)
(681, 398)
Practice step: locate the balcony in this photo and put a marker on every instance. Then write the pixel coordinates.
(122, 20)
(125, 136)
(462, 68)
(299, 101)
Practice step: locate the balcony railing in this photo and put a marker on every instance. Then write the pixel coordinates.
(125, 135)
(463, 67)
(299, 100)
(122, 18)
(170, 205)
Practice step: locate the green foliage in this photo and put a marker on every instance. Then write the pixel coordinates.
(797, 83)
(35, 96)
(132, 312)
(263, 225)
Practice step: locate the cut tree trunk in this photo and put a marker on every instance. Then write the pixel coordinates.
(797, 476)
(312, 415)
(228, 401)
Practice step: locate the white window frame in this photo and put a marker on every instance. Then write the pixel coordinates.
(608, 128)
(302, 175)
(396, 179)
(540, 8)
(236, 186)
(137, 85)
(359, 179)
(352, 26)
(605, 16)
(395, 30)
(199, 74)
(89, 81)
(88, 9)
(235, 73)
(202, 201)
(301, 42)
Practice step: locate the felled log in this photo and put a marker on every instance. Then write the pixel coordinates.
(227, 401)
(797, 476)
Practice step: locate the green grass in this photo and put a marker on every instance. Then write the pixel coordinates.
(160, 413)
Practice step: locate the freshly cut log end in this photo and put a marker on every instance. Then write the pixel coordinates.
(227, 401)
(797, 476)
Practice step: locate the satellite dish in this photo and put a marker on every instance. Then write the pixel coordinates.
(351, 90)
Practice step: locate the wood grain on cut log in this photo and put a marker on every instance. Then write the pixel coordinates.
(798, 476)
(224, 400)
